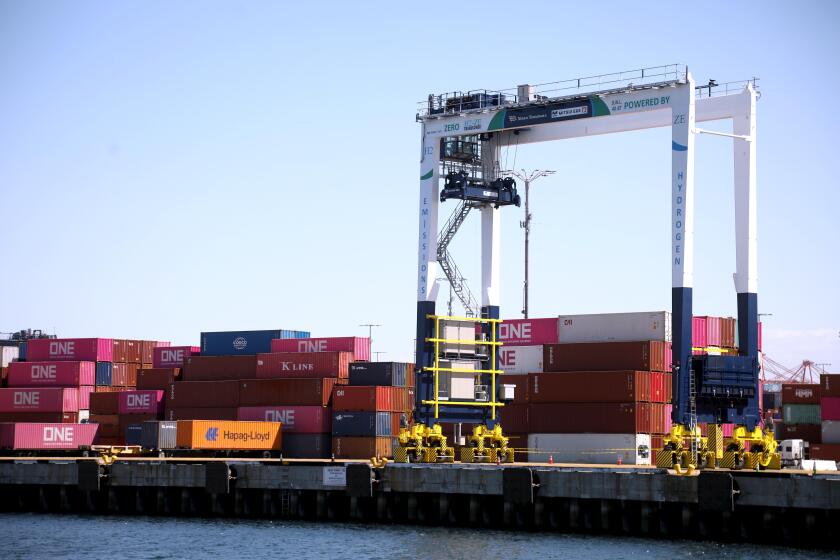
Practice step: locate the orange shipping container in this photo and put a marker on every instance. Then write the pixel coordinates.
(362, 447)
(226, 434)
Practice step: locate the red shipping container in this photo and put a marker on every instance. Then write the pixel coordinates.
(55, 374)
(134, 351)
(597, 418)
(808, 432)
(295, 419)
(119, 375)
(589, 386)
(105, 419)
(207, 413)
(47, 436)
(147, 349)
(698, 334)
(203, 394)
(271, 392)
(727, 332)
(131, 370)
(70, 349)
(140, 402)
(172, 356)
(800, 393)
(669, 389)
(303, 364)
(605, 356)
(528, 332)
(104, 403)
(657, 386)
(43, 417)
(157, 378)
(825, 451)
(362, 447)
(656, 443)
(830, 385)
(368, 399)
(120, 350)
(359, 346)
(830, 408)
(219, 368)
(53, 399)
(514, 418)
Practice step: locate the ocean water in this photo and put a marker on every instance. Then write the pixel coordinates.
(70, 536)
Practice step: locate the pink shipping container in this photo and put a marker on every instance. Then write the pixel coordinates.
(46, 436)
(713, 330)
(140, 402)
(830, 408)
(295, 419)
(84, 396)
(698, 333)
(51, 374)
(528, 332)
(359, 346)
(53, 399)
(303, 364)
(172, 356)
(70, 349)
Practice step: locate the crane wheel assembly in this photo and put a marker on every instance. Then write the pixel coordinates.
(423, 444)
(677, 452)
(487, 446)
(714, 451)
(762, 455)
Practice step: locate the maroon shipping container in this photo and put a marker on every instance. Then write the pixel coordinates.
(514, 418)
(200, 394)
(598, 418)
(134, 351)
(54, 374)
(157, 378)
(272, 392)
(520, 387)
(295, 419)
(359, 346)
(140, 402)
(368, 399)
(172, 356)
(825, 451)
(147, 349)
(809, 432)
(119, 375)
(40, 399)
(70, 349)
(131, 370)
(362, 447)
(218, 368)
(589, 386)
(605, 356)
(47, 436)
(728, 326)
(207, 413)
(104, 403)
(829, 385)
(120, 351)
(801, 393)
(303, 364)
(45, 417)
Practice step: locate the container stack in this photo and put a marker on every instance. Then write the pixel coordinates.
(369, 412)
(830, 419)
(167, 363)
(801, 416)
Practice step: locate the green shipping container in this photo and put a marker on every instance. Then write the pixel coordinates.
(801, 413)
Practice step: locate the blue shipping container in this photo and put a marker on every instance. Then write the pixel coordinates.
(133, 434)
(22, 352)
(241, 343)
(104, 371)
(362, 424)
(378, 373)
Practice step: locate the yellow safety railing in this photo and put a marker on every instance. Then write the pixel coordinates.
(436, 369)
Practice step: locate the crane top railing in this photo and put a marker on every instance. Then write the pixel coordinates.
(478, 100)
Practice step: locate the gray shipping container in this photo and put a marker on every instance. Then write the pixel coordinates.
(307, 446)
(159, 434)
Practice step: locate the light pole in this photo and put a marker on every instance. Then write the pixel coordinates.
(370, 337)
(822, 366)
(527, 178)
(377, 355)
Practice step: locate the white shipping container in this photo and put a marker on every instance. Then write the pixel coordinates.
(615, 327)
(8, 354)
(518, 360)
(831, 431)
(600, 449)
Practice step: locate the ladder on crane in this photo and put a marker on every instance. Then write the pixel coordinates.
(447, 264)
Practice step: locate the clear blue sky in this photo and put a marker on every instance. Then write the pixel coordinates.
(173, 167)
